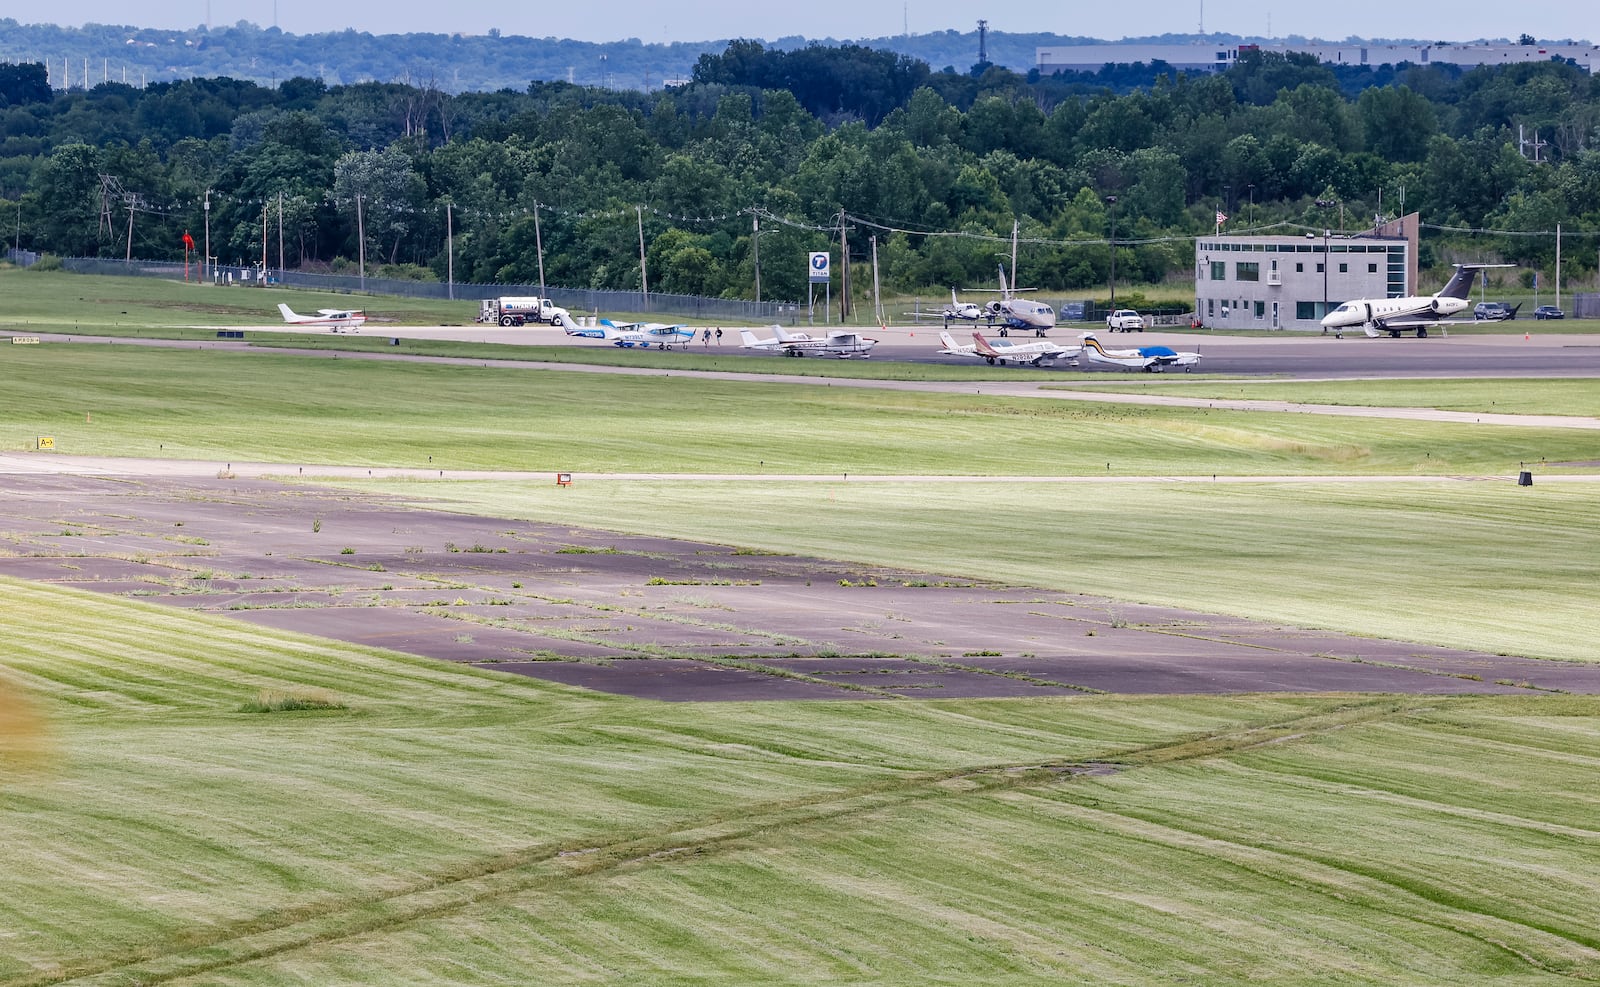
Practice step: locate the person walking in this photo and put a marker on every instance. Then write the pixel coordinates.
(719, 335)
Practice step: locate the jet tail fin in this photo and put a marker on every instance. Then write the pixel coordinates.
(1460, 285)
(1513, 313)
(982, 345)
(288, 315)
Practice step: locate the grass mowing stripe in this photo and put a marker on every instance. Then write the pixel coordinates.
(1502, 395)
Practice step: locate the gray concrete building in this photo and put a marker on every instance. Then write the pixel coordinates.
(1220, 55)
(1291, 282)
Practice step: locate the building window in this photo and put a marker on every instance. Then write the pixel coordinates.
(1299, 269)
(1211, 307)
(1372, 269)
(1247, 270)
(1305, 311)
(1219, 270)
(1344, 268)
(1261, 309)
(1319, 268)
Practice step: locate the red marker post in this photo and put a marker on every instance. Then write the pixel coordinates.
(188, 245)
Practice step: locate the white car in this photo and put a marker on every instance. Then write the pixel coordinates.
(1125, 320)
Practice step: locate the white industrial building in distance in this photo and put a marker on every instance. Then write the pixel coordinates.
(1216, 57)
(1291, 282)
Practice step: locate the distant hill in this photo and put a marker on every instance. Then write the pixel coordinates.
(451, 62)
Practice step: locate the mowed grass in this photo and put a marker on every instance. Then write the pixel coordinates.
(458, 826)
(1482, 565)
(59, 301)
(1504, 395)
(108, 399)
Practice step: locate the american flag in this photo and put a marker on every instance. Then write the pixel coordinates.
(1222, 217)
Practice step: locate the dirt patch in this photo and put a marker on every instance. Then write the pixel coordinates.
(672, 620)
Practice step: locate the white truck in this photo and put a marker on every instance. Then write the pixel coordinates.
(519, 310)
(1125, 320)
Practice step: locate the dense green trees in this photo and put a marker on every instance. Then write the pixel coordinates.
(938, 166)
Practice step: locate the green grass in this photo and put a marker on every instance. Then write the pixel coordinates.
(224, 406)
(1504, 395)
(466, 827)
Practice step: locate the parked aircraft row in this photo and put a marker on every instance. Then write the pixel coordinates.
(1045, 353)
(630, 334)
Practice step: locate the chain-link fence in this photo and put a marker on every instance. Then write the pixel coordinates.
(575, 300)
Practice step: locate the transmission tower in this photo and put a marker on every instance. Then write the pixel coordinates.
(983, 42)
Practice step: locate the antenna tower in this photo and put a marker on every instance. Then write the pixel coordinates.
(983, 42)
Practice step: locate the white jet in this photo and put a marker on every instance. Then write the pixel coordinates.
(1012, 312)
(334, 318)
(1039, 353)
(1393, 316)
(1152, 359)
(629, 335)
(956, 310)
(838, 342)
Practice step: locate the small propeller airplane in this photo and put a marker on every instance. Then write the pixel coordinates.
(1040, 353)
(839, 343)
(1152, 359)
(628, 335)
(334, 318)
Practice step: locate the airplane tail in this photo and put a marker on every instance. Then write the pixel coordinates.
(1513, 313)
(288, 315)
(1091, 343)
(565, 322)
(748, 339)
(948, 341)
(982, 345)
(1460, 285)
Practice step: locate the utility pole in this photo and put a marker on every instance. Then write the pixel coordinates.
(877, 299)
(361, 245)
(450, 254)
(755, 249)
(1558, 265)
(644, 277)
(263, 281)
(131, 200)
(207, 258)
(844, 270)
(1112, 200)
(280, 232)
(538, 247)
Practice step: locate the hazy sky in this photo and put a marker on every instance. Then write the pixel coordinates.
(703, 20)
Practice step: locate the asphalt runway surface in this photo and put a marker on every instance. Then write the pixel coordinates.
(1288, 354)
(663, 619)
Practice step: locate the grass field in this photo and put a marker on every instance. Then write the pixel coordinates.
(455, 826)
(446, 825)
(140, 401)
(1504, 395)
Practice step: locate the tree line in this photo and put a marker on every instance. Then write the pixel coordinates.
(932, 169)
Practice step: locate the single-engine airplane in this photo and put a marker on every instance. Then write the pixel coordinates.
(839, 343)
(628, 335)
(334, 318)
(1039, 353)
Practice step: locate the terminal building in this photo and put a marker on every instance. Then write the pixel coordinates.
(1217, 57)
(1291, 282)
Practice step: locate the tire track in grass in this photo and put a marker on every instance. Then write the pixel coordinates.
(505, 875)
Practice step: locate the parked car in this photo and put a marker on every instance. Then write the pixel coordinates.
(1548, 312)
(1494, 311)
(1125, 320)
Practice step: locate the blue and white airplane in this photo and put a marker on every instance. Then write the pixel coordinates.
(628, 335)
(1152, 359)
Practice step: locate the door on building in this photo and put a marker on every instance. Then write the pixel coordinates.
(1275, 323)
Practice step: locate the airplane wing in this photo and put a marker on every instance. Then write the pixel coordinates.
(1394, 327)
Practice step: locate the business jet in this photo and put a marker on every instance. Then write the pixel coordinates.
(839, 343)
(1012, 312)
(956, 310)
(628, 335)
(1039, 353)
(1152, 359)
(334, 318)
(1393, 316)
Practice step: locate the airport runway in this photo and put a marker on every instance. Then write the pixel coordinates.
(1529, 353)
